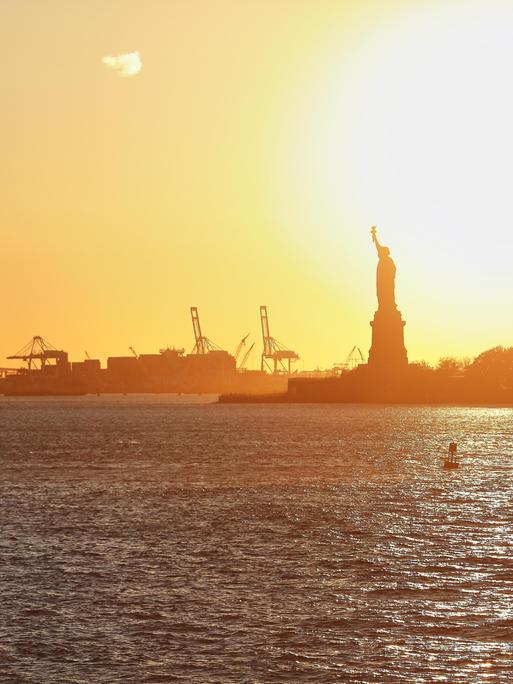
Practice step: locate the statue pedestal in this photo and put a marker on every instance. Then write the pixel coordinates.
(387, 351)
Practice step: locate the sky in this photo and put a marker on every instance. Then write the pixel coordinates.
(238, 155)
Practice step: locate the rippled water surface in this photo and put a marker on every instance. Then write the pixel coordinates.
(147, 539)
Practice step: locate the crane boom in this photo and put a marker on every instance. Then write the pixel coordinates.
(196, 325)
(240, 346)
(39, 350)
(266, 335)
(202, 345)
(273, 350)
(242, 364)
(354, 358)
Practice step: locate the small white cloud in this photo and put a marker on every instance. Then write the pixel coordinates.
(125, 65)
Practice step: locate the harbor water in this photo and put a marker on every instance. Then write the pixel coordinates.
(163, 539)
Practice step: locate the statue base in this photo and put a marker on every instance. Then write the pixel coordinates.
(387, 351)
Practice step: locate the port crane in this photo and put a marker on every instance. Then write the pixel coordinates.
(202, 344)
(354, 358)
(39, 350)
(240, 347)
(274, 351)
(242, 364)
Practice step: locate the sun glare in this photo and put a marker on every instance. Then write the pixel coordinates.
(408, 128)
(433, 139)
(413, 132)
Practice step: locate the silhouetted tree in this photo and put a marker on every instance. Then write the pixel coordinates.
(491, 373)
(450, 366)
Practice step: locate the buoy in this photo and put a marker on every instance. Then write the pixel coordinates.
(450, 462)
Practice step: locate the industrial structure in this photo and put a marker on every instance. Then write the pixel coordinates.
(239, 348)
(206, 369)
(354, 358)
(275, 356)
(40, 351)
(48, 371)
(202, 345)
(242, 365)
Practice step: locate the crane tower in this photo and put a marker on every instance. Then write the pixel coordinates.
(202, 344)
(275, 356)
(39, 350)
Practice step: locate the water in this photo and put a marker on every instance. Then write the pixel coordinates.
(145, 539)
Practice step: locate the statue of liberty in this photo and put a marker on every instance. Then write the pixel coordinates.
(387, 351)
(385, 276)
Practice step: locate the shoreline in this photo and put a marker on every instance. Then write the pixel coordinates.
(247, 399)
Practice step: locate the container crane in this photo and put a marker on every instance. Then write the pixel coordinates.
(274, 351)
(202, 344)
(39, 350)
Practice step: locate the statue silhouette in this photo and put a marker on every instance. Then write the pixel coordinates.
(387, 351)
(385, 275)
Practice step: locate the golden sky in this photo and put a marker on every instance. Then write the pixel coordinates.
(244, 164)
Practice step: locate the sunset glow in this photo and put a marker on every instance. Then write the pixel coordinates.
(246, 164)
(256, 361)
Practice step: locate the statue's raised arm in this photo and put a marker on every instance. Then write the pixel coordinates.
(375, 239)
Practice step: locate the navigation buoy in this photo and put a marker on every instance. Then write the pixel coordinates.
(450, 462)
